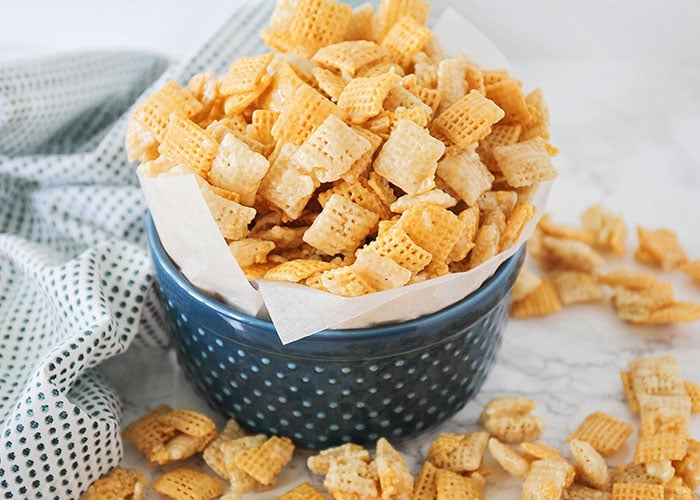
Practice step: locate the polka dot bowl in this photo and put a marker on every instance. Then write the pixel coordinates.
(335, 386)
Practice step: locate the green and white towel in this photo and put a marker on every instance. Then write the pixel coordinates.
(76, 286)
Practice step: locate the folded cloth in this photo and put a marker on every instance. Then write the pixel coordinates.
(76, 285)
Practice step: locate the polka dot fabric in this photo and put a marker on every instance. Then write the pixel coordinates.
(76, 285)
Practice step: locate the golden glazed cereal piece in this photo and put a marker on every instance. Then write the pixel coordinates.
(430, 96)
(565, 231)
(451, 82)
(409, 158)
(515, 429)
(297, 270)
(352, 480)
(261, 123)
(250, 251)
(382, 273)
(237, 168)
(358, 192)
(349, 57)
(662, 247)
(464, 172)
(469, 120)
(330, 83)
(213, 455)
(633, 474)
(318, 23)
(465, 242)
(185, 142)
(451, 485)
(265, 462)
(139, 141)
(468, 454)
(239, 481)
(659, 376)
(539, 125)
(245, 74)
(546, 480)
(303, 491)
(508, 95)
(506, 406)
(424, 487)
(396, 244)
(492, 76)
(609, 230)
(525, 163)
(363, 97)
(238, 102)
(344, 453)
(692, 269)
(398, 97)
(118, 483)
(689, 467)
(628, 388)
(442, 447)
(340, 227)
(433, 228)
(526, 282)
(574, 287)
(184, 483)
(231, 217)
(628, 491)
(604, 433)
(512, 462)
(485, 244)
(580, 492)
(659, 447)
(434, 197)
(693, 391)
(395, 479)
(515, 223)
(540, 451)
(390, 11)
(677, 312)
(360, 27)
(501, 135)
(474, 77)
(405, 39)
(570, 254)
(346, 282)
(591, 465)
(180, 447)
(148, 433)
(664, 414)
(305, 110)
(540, 302)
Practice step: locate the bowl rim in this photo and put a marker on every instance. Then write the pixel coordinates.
(492, 287)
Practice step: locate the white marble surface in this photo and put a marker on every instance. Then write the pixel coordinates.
(623, 87)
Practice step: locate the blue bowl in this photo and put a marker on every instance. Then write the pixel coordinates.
(336, 386)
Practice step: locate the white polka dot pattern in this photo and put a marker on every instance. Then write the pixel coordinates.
(75, 277)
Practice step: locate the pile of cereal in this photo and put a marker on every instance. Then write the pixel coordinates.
(665, 463)
(571, 257)
(357, 157)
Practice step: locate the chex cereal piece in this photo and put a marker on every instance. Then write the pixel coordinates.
(526, 282)
(265, 462)
(180, 447)
(546, 480)
(638, 305)
(430, 96)
(492, 76)
(467, 456)
(604, 433)
(148, 433)
(396, 244)
(356, 171)
(398, 97)
(250, 251)
(346, 282)
(464, 172)
(409, 158)
(360, 193)
(512, 462)
(318, 23)
(344, 453)
(303, 491)
(434, 228)
(574, 287)
(507, 405)
(261, 123)
(297, 270)
(139, 141)
(659, 376)
(540, 302)
(404, 39)
(676, 489)
(451, 485)
(692, 269)
(664, 414)
(689, 467)
(525, 163)
(515, 223)
(508, 94)
(661, 248)
(349, 57)
(609, 230)
(580, 492)
(382, 273)
(450, 80)
(631, 473)
(237, 168)
(362, 97)
(340, 227)
(591, 465)
(469, 120)
(395, 479)
(465, 242)
(658, 447)
(501, 135)
(628, 388)
(231, 217)
(677, 312)
(570, 254)
(154, 113)
(245, 74)
(442, 447)
(515, 429)
(240, 482)
(382, 188)
(286, 188)
(285, 82)
(435, 197)
(628, 491)
(424, 486)
(118, 483)
(330, 83)
(185, 142)
(238, 102)
(486, 244)
(539, 125)
(565, 231)
(360, 27)
(540, 451)
(213, 455)
(184, 483)
(330, 150)
(693, 391)
(351, 479)
(305, 110)
(390, 11)
(626, 278)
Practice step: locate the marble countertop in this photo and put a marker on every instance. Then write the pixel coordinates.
(625, 105)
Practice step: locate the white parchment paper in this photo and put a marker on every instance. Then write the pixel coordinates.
(192, 239)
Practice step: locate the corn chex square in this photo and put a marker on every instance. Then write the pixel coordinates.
(382, 273)
(539, 125)
(396, 244)
(434, 228)
(185, 142)
(245, 74)
(318, 23)
(362, 97)
(405, 39)
(330, 150)
(605, 433)
(464, 172)
(349, 57)
(468, 120)
(231, 217)
(185, 483)
(340, 227)
(358, 192)
(525, 163)
(637, 491)
(508, 94)
(390, 11)
(330, 83)
(409, 158)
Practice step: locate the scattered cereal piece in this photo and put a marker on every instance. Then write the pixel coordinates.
(395, 479)
(525, 163)
(608, 229)
(692, 269)
(184, 483)
(511, 461)
(118, 483)
(265, 462)
(546, 480)
(628, 491)
(591, 465)
(604, 433)
(469, 120)
(660, 248)
(540, 302)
